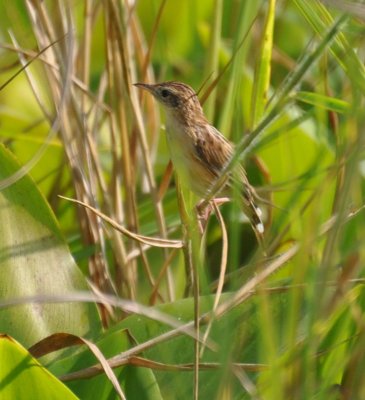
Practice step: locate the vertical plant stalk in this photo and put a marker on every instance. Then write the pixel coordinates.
(263, 67)
(144, 70)
(147, 59)
(128, 66)
(247, 14)
(121, 172)
(73, 131)
(192, 263)
(342, 195)
(261, 87)
(222, 272)
(211, 67)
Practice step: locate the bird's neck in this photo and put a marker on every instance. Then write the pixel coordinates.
(184, 117)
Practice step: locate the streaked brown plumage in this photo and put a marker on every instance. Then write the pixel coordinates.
(198, 150)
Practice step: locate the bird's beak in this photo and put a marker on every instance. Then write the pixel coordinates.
(145, 86)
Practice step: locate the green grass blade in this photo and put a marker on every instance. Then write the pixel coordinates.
(320, 18)
(326, 102)
(263, 69)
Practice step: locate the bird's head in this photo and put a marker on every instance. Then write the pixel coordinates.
(176, 97)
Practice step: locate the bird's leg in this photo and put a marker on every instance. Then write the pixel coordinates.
(204, 210)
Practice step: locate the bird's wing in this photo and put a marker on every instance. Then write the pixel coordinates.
(214, 151)
(212, 148)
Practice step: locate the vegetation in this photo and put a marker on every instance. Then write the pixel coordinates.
(113, 290)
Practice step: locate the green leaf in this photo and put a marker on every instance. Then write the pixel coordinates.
(138, 383)
(263, 69)
(320, 18)
(320, 100)
(23, 377)
(211, 66)
(144, 383)
(35, 260)
(246, 14)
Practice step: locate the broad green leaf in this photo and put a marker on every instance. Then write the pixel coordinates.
(138, 383)
(35, 260)
(23, 378)
(143, 383)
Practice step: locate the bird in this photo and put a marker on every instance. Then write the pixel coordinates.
(198, 151)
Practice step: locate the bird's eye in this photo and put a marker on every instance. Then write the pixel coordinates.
(165, 93)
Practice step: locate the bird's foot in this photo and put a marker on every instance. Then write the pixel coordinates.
(204, 210)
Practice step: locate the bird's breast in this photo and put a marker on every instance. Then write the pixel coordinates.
(181, 144)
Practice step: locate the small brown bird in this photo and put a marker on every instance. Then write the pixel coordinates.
(198, 150)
